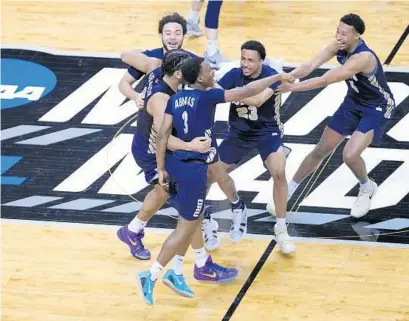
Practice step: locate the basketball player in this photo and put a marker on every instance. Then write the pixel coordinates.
(212, 53)
(162, 83)
(255, 124)
(366, 109)
(190, 114)
(143, 148)
(172, 29)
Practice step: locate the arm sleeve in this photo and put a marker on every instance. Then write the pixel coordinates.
(214, 96)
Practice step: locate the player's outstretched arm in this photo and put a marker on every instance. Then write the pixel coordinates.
(259, 99)
(356, 64)
(319, 59)
(255, 87)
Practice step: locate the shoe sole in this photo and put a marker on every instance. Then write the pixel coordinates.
(141, 290)
(219, 281)
(123, 239)
(170, 285)
(373, 194)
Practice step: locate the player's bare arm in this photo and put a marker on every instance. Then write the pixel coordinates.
(364, 62)
(140, 61)
(325, 55)
(255, 87)
(259, 99)
(163, 137)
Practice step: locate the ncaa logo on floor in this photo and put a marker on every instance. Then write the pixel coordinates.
(23, 82)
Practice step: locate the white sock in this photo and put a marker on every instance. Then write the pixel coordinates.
(194, 16)
(136, 225)
(212, 47)
(292, 186)
(366, 185)
(155, 270)
(201, 257)
(281, 222)
(177, 264)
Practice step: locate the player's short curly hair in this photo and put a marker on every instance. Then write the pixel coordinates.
(176, 18)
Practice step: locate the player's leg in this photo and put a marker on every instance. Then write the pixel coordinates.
(133, 233)
(190, 182)
(212, 53)
(231, 151)
(341, 124)
(193, 19)
(330, 139)
(274, 157)
(205, 269)
(177, 243)
(369, 130)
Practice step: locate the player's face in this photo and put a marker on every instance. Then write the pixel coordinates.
(346, 36)
(250, 62)
(172, 36)
(206, 75)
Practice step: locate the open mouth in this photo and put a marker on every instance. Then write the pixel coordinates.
(173, 45)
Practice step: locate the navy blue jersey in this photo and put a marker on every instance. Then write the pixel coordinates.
(154, 53)
(249, 120)
(193, 116)
(371, 91)
(145, 136)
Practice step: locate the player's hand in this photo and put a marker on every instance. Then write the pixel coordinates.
(139, 102)
(164, 179)
(285, 77)
(201, 144)
(284, 87)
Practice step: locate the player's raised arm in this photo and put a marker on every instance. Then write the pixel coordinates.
(140, 61)
(319, 59)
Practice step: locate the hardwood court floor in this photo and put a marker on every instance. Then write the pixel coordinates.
(79, 272)
(292, 30)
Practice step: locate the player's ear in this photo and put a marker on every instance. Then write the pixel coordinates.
(199, 79)
(178, 74)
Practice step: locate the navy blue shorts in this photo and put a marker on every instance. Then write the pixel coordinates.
(234, 147)
(147, 162)
(189, 179)
(349, 118)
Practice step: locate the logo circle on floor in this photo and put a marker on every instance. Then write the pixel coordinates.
(23, 82)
